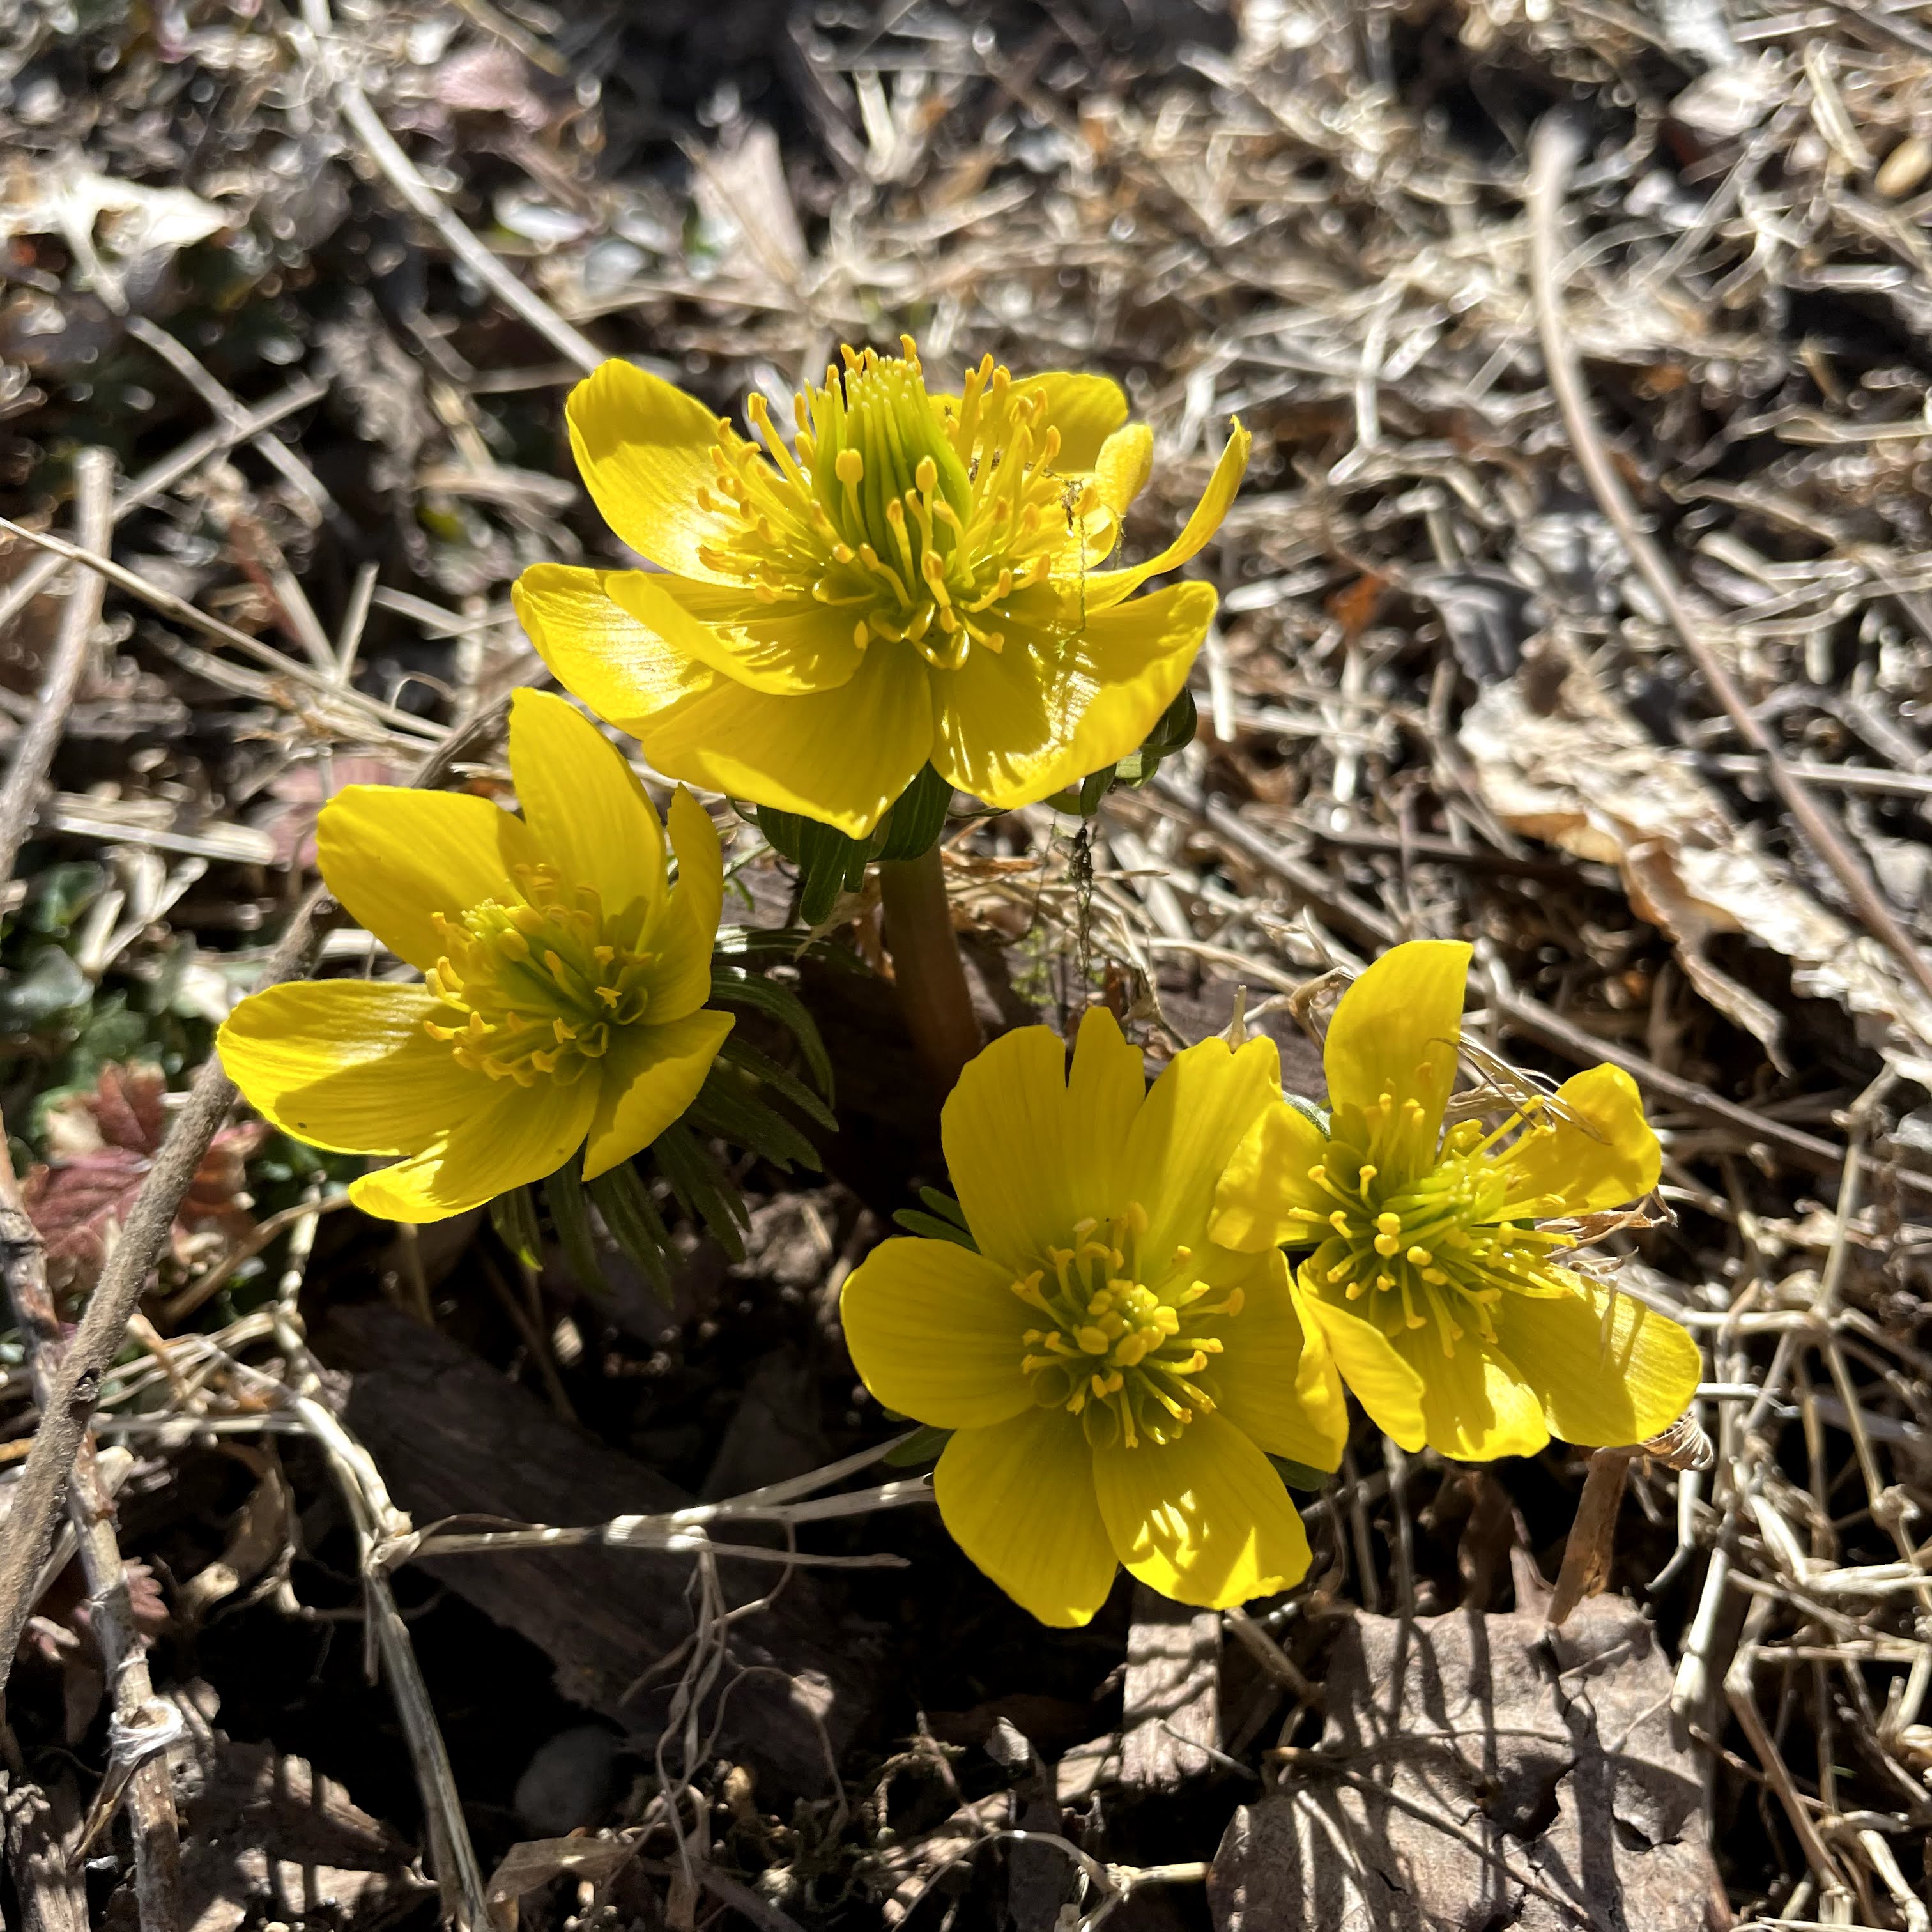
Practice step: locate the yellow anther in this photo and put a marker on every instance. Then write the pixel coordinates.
(1418, 1257)
(1095, 1341)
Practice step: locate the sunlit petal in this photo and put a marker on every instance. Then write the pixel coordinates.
(395, 858)
(1019, 1499)
(937, 1333)
(1204, 1519)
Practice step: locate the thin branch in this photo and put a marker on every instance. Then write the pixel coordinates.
(143, 489)
(183, 612)
(406, 177)
(69, 1402)
(1555, 149)
(94, 498)
(149, 1789)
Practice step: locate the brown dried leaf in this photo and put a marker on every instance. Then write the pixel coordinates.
(256, 1538)
(523, 1868)
(1584, 777)
(103, 1143)
(266, 1837)
(1477, 1771)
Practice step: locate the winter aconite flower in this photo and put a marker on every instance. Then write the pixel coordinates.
(1435, 1271)
(916, 576)
(1117, 1382)
(562, 999)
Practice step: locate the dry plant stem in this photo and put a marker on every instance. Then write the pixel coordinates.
(183, 612)
(150, 1792)
(1587, 1549)
(69, 1402)
(1526, 1017)
(150, 483)
(94, 501)
(36, 1833)
(1555, 149)
(407, 179)
(930, 975)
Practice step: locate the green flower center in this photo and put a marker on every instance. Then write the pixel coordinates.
(1113, 1353)
(538, 986)
(1441, 1247)
(920, 525)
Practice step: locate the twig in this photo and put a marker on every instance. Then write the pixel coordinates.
(406, 177)
(1528, 1017)
(183, 612)
(150, 1793)
(228, 409)
(378, 1523)
(21, 590)
(69, 1402)
(94, 496)
(1555, 149)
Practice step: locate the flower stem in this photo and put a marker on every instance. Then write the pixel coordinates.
(925, 960)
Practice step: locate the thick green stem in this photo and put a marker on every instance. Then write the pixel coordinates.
(925, 961)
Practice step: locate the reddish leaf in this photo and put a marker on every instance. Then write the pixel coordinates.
(103, 1144)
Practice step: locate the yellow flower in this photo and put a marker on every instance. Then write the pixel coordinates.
(1116, 1382)
(917, 579)
(563, 988)
(1435, 1280)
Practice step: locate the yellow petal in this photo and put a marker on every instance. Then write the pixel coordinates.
(644, 449)
(685, 937)
(1614, 1381)
(1475, 1404)
(1110, 586)
(594, 647)
(1397, 1032)
(1602, 1155)
(1266, 1181)
(1018, 1498)
(1384, 1382)
(935, 1333)
(783, 649)
(1204, 1519)
(345, 1064)
(1276, 1380)
(1197, 1114)
(1085, 410)
(520, 1135)
(649, 1076)
(842, 757)
(393, 856)
(583, 801)
(1121, 471)
(1064, 699)
(1029, 1154)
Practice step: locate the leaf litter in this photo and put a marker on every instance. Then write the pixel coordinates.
(1442, 699)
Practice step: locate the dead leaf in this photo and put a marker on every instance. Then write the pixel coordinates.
(103, 1143)
(1477, 1771)
(265, 1837)
(258, 1536)
(300, 790)
(1584, 777)
(523, 1868)
(742, 193)
(67, 197)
